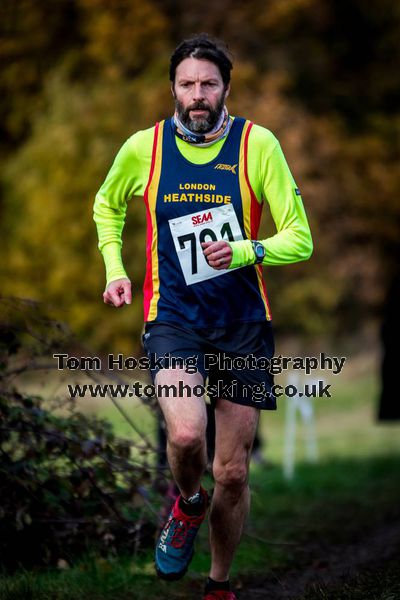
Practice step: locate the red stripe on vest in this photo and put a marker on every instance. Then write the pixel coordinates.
(148, 281)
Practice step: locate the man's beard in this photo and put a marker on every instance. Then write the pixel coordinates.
(203, 124)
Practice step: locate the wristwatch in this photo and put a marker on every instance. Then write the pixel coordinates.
(259, 252)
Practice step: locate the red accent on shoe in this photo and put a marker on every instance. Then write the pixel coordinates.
(220, 595)
(186, 522)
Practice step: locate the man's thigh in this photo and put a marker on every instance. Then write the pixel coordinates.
(185, 412)
(235, 429)
(178, 386)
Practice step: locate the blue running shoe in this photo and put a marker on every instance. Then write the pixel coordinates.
(174, 549)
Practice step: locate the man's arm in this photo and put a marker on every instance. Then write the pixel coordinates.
(292, 242)
(110, 222)
(126, 178)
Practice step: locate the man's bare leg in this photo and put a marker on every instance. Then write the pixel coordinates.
(186, 421)
(235, 430)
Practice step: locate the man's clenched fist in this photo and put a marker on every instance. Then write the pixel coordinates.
(118, 292)
(217, 254)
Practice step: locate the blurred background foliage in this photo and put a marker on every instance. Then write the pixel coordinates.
(80, 76)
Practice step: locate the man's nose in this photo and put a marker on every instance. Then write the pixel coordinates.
(198, 92)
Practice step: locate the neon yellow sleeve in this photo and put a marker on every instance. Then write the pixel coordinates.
(127, 177)
(275, 184)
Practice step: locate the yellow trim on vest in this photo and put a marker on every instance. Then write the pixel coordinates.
(263, 296)
(244, 188)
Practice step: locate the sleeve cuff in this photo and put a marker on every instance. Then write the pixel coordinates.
(242, 254)
(112, 258)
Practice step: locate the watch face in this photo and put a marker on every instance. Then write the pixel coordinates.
(260, 251)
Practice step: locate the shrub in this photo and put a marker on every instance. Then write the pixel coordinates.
(68, 484)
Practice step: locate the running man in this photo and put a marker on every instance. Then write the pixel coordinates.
(205, 176)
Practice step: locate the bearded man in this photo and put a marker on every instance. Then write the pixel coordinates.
(204, 176)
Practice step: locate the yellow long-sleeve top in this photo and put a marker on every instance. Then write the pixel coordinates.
(269, 177)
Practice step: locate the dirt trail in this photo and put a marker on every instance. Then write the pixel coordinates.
(327, 565)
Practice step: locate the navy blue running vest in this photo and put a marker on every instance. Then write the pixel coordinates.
(190, 203)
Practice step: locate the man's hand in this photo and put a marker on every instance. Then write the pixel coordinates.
(118, 293)
(217, 254)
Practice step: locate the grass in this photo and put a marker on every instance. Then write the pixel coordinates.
(328, 503)
(381, 583)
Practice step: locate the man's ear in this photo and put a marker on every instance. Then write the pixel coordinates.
(173, 91)
(227, 90)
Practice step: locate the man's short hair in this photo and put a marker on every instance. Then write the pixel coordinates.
(202, 46)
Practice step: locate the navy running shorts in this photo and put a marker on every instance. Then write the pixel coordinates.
(234, 361)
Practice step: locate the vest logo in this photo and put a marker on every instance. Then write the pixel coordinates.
(204, 218)
(222, 167)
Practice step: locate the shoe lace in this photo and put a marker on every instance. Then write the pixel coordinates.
(183, 528)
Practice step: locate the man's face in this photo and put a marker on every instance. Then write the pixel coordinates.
(199, 94)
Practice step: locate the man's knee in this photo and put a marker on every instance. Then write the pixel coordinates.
(187, 439)
(231, 475)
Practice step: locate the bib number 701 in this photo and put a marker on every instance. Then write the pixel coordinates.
(190, 231)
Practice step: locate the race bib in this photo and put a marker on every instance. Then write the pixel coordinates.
(190, 231)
